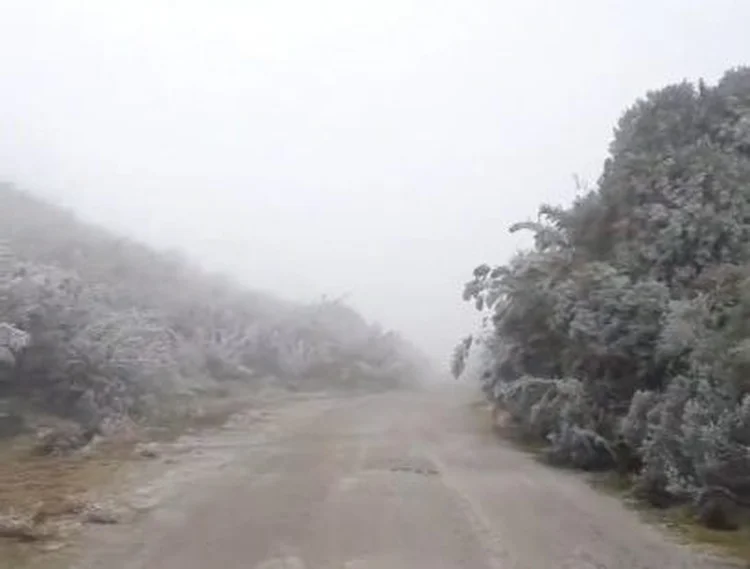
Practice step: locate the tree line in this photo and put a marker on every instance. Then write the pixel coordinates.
(94, 326)
(621, 338)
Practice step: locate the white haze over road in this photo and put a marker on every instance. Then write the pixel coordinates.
(377, 148)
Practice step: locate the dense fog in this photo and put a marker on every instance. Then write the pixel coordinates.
(373, 151)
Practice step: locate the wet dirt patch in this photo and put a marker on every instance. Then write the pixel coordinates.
(408, 465)
(428, 471)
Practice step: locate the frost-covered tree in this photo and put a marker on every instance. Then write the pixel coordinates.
(93, 325)
(639, 294)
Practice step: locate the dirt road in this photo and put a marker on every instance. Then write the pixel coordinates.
(407, 480)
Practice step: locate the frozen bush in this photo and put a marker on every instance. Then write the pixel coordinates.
(96, 327)
(556, 410)
(634, 425)
(520, 397)
(580, 448)
(640, 289)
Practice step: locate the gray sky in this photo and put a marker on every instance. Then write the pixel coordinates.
(376, 148)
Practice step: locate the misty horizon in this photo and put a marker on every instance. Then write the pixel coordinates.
(373, 151)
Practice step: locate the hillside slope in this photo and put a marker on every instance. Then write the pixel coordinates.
(95, 326)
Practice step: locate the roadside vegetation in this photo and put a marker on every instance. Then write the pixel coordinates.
(621, 339)
(105, 342)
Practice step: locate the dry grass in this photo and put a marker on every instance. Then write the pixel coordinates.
(28, 481)
(735, 543)
(48, 489)
(45, 490)
(681, 520)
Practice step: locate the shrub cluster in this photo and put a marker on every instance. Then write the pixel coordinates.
(624, 332)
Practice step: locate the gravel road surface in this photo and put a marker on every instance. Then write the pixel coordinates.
(401, 480)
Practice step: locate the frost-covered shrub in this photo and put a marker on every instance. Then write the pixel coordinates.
(660, 449)
(460, 356)
(111, 328)
(12, 344)
(520, 399)
(641, 290)
(684, 327)
(704, 440)
(634, 426)
(713, 443)
(697, 437)
(564, 405)
(579, 447)
(560, 412)
(542, 407)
